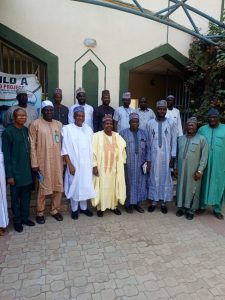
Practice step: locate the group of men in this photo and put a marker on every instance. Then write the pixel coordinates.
(130, 157)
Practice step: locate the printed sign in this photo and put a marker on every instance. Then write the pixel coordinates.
(9, 83)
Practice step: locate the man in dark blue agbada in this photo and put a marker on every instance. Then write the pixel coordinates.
(16, 150)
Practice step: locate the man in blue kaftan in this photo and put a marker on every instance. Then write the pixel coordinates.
(137, 158)
(162, 142)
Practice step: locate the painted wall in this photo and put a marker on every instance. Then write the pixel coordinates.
(61, 26)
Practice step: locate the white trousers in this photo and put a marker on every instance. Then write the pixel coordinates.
(4, 219)
(74, 205)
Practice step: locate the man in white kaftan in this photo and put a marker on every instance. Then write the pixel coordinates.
(174, 114)
(4, 219)
(78, 154)
(162, 139)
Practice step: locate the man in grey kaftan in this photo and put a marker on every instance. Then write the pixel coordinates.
(191, 161)
(162, 141)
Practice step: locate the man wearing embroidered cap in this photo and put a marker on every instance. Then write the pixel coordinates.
(78, 154)
(102, 110)
(174, 114)
(162, 140)
(121, 115)
(192, 155)
(46, 161)
(108, 168)
(88, 109)
(137, 157)
(213, 183)
(60, 110)
(21, 96)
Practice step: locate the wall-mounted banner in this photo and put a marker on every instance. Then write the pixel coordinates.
(9, 83)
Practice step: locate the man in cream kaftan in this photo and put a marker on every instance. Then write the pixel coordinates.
(109, 159)
(77, 144)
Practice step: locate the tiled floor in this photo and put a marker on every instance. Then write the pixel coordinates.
(138, 256)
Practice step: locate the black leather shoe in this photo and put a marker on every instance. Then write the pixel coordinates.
(116, 211)
(28, 223)
(18, 227)
(74, 215)
(164, 209)
(139, 209)
(179, 213)
(58, 217)
(189, 216)
(100, 213)
(40, 219)
(129, 209)
(219, 216)
(86, 212)
(151, 208)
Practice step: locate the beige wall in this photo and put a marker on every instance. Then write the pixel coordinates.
(61, 26)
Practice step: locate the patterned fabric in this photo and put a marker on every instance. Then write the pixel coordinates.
(121, 116)
(145, 116)
(160, 185)
(136, 181)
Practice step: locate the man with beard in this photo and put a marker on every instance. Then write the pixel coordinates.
(162, 142)
(88, 109)
(102, 110)
(60, 110)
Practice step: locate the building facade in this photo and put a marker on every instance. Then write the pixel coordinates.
(131, 53)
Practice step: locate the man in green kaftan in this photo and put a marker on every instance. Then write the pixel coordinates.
(16, 151)
(192, 155)
(213, 182)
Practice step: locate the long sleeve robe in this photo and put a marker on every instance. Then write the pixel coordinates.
(16, 150)
(109, 158)
(191, 157)
(137, 155)
(213, 181)
(45, 139)
(174, 114)
(4, 218)
(161, 148)
(77, 144)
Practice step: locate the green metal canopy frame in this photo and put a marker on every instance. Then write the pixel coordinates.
(162, 16)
